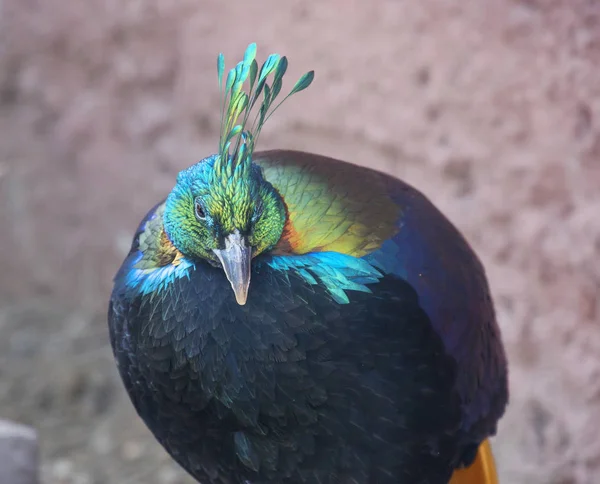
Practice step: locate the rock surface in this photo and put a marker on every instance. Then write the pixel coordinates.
(18, 454)
(490, 108)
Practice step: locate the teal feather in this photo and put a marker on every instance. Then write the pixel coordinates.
(250, 54)
(220, 69)
(253, 73)
(336, 272)
(305, 81)
(237, 104)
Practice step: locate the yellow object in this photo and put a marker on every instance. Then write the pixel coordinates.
(328, 207)
(482, 471)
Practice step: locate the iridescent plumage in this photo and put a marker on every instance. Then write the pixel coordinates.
(358, 344)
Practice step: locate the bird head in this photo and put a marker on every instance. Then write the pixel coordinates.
(222, 209)
(225, 220)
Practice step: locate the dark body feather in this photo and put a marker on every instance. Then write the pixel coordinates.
(397, 384)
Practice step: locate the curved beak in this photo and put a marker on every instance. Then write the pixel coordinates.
(235, 259)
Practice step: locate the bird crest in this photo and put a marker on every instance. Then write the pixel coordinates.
(237, 136)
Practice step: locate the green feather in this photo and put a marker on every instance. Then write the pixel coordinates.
(276, 88)
(229, 82)
(253, 73)
(268, 67)
(300, 85)
(220, 69)
(303, 82)
(250, 54)
(237, 105)
(281, 68)
(234, 132)
(267, 99)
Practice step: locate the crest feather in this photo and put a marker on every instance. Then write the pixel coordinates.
(237, 139)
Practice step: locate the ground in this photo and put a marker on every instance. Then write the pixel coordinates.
(490, 108)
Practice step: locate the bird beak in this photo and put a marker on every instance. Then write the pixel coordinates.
(235, 259)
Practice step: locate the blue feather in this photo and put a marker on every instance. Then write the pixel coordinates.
(337, 272)
(156, 280)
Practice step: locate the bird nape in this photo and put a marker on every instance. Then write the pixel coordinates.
(283, 317)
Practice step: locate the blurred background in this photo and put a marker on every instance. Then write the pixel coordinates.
(491, 108)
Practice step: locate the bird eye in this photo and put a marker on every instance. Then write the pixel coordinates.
(200, 215)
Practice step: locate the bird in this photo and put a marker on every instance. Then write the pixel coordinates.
(286, 317)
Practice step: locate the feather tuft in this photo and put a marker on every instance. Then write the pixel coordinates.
(237, 139)
(303, 82)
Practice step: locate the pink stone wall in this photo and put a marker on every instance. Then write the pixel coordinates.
(492, 108)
